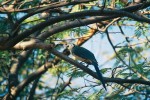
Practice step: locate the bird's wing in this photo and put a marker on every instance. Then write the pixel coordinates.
(87, 55)
(83, 53)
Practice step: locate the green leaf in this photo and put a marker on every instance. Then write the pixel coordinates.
(104, 70)
(76, 74)
(95, 96)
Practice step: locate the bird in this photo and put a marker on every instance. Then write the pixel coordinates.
(86, 56)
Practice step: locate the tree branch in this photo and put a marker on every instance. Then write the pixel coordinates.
(32, 91)
(51, 21)
(140, 75)
(50, 6)
(90, 72)
(41, 8)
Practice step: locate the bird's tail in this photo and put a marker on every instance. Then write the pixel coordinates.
(100, 77)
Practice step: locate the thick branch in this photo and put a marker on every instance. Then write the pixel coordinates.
(32, 44)
(114, 14)
(17, 64)
(72, 24)
(20, 61)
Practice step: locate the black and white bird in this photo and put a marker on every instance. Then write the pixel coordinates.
(86, 56)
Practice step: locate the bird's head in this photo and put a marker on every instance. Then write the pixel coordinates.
(70, 46)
